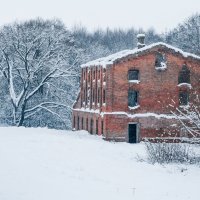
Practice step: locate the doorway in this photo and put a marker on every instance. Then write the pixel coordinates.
(132, 133)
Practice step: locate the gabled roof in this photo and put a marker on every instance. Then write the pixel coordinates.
(122, 54)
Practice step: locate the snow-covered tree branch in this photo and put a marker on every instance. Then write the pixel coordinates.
(34, 60)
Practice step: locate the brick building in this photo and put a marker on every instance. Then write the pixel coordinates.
(130, 95)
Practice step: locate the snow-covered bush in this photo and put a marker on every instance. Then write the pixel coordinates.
(171, 153)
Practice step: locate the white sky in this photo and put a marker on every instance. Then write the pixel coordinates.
(160, 14)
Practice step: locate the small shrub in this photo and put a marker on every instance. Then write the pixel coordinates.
(171, 153)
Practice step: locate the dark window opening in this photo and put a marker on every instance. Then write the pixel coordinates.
(94, 74)
(183, 98)
(91, 126)
(104, 96)
(84, 95)
(104, 74)
(133, 75)
(160, 61)
(98, 74)
(74, 122)
(93, 95)
(97, 128)
(184, 75)
(102, 127)
(82, 123)
(78, 123)
(87, 124)
(133, 98)
(98, 98)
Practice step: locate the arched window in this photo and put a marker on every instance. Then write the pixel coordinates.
(184, 75)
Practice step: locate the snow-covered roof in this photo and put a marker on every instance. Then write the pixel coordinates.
(122, 54)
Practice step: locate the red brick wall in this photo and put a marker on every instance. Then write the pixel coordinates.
(157, 90)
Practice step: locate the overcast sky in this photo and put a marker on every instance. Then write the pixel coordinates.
(163, 15)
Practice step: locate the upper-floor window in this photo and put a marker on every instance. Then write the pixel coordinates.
(160, 61)
(184, 75)
(133, 75)
(133, 98)
(94, 74)
(104, 74)
(98, 95)
(183, 98)
(104, 96)
(99, 72)
(89, 77)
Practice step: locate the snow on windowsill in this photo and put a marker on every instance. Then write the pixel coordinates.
(104, 104)
(163, 67)
(134, 107)
(185, 84)
(134, 81)
(104, 83)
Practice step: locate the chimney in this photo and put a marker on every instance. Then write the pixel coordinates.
(140, 38)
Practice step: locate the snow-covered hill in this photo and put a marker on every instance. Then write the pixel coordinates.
(41, 164)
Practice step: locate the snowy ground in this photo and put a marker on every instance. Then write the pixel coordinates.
(41, 164)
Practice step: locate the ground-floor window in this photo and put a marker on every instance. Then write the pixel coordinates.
(74, 124)
(102, 127)
(91, 126)
(82, 123)
(97, 127)
(87, 124)
(78, 123)
(183, 98)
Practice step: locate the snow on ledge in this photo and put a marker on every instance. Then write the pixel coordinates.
(112, 58)
(185, 84)
(87, 110)
(136, 115)
(134, 107)
(142, 115)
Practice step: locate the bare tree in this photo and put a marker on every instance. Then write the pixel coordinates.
(35, 61)
(189, 119)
